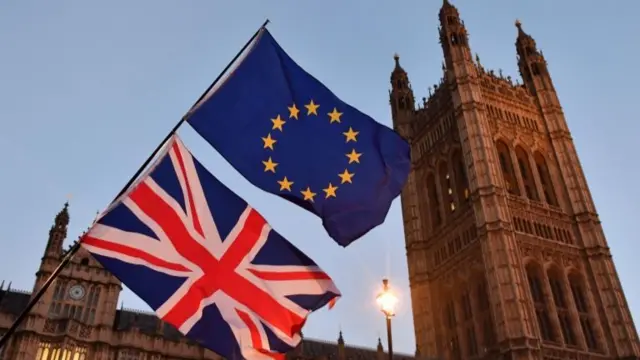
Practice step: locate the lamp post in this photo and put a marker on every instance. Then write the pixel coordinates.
(387, 302)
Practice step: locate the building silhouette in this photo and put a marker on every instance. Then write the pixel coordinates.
(78, 318)
(507, 258)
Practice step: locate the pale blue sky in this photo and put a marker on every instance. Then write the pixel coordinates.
(88, 88)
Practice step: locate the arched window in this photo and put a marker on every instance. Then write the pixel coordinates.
(504, 157)
(451, 323)
(84, 261)
(534, 275)
(462, 184)
(526, 174)
(446, 185)
(580, 298)
(434, 202)
(545, 179)
(471, 343)
(560, 300)
(484, 313)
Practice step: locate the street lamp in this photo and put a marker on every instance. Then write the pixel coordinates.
(387, 302)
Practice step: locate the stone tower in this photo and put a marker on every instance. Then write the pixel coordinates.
(79, 305)
(507, 257)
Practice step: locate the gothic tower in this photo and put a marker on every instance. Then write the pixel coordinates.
(78, 307)
(507, 258)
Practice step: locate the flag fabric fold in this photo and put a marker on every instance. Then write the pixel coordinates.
(206, 262)
(289, 135)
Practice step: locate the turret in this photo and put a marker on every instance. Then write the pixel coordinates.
(341, 349)
(380, 350)
(454, 41)
(58, 233)
(402, 100)
(531, 62)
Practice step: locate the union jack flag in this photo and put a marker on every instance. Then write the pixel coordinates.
(208, 263)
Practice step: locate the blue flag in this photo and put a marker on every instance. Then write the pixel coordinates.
(289, 135)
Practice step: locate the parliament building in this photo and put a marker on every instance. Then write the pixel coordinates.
(507, 257)
(78, 319)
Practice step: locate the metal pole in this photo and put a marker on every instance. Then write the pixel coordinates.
(69, 255)
(389, 338)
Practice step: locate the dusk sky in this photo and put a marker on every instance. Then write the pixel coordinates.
(88, 89)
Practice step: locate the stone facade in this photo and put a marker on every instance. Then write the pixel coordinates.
(78, 319)
(507, 257)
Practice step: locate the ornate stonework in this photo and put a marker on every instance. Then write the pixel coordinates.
(507, 258)
(78, 319)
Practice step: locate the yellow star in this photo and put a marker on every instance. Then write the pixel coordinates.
(269, 142)
(330, 191)
(346, 177)
(308, 194)
(334, 116)
(285, 184)
(277, 123)
(354, 157)
(312, 108)
(269, 165)
(293, 111)
(351, 135)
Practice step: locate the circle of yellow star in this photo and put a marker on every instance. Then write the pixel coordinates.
(277, 123)
(353, 156)
(334, 116)
(308, 194)
(269, 165)
(346, 176)
(269, 142)
(312, 108)
(293, 111)
(330, 191)
(351, 135)
(285, 184)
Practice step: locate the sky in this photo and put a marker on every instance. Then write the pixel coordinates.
(88, 89)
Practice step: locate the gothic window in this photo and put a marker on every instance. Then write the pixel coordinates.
(508, 175)
(545, 179)
(2, 357)
(451, 322)
(462, 184)
(559, 299)
(434, 201)
(91, 305)
(58, 296)
(580, 298)
(484, 314)
(542, 312)
(128, 355)
(467, 317)
(446, 185)
(527, 175)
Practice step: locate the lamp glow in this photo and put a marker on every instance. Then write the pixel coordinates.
(387, 300)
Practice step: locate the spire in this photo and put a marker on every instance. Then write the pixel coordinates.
(531, 62)
(453, 36)
(523, 37)
(341, 348)
(379, 347)
(398, 72)
(448, 9)
(401, 99)
(58, 232)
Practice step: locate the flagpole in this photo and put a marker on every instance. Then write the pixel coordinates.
(76, 245)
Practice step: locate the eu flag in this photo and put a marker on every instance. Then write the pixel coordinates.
(289, 135)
